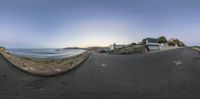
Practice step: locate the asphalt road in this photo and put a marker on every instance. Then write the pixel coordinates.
(173, 74)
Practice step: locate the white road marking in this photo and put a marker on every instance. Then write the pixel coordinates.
(178, 62)
(104, 65)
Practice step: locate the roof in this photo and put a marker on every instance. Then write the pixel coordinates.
(152, 40)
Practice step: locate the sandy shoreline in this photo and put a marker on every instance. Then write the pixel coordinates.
(45, 67)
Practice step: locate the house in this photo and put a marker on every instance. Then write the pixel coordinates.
(151, 43)
(114, 46)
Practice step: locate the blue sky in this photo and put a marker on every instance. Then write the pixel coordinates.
(65, 23)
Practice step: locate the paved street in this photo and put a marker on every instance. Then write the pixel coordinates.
(173, 74)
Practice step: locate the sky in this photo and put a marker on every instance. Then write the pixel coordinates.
(84, 23)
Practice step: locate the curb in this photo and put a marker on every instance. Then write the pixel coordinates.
(46, 75)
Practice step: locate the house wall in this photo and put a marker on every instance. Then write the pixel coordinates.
(163, 46)
(153, 47)
(113, 46)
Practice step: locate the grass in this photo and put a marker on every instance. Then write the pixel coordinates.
(26, 58)
(128, 50)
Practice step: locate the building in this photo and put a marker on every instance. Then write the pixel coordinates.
(115, 46)
(152, 44)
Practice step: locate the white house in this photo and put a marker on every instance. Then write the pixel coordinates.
(152, 43)
(114, 46)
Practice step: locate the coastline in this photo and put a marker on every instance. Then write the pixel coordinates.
(45, 68)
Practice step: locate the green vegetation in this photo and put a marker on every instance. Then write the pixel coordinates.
(133, 44)
(26, 58)
(162, 39)
(129, 50)
(143, 41)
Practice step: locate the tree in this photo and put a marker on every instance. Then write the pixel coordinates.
(162, 39)
(133, 43)
(144, 41)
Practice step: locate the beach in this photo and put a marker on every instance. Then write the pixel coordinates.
(45, 67)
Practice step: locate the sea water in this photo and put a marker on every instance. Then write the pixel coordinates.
(46, 53)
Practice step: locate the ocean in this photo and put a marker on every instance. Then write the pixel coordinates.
(46, 53)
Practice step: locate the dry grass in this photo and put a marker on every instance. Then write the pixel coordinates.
(45, 67)
(197, 48)
(129, 50)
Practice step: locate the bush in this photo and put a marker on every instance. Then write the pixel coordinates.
(162, 39)
(128, 50)
(102, 51)
(143, 42)
(133, 44)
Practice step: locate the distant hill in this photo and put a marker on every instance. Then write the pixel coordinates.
(2, 48)
(96, 48)
(72, 48)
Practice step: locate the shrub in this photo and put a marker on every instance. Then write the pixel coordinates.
(143, 42)
(102, 51)
(132, 44)
(128, 50)
(162, 39)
